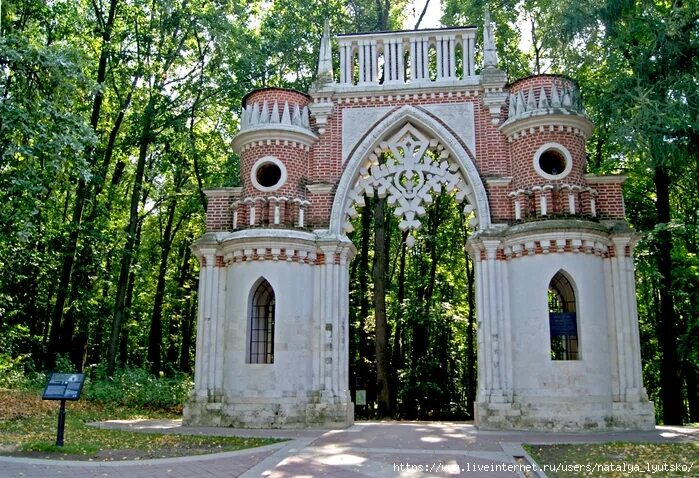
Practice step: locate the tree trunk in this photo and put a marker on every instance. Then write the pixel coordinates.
(178, 317)
(382, 332)
(128, 301)
(470, 338)
(692, 381)
(366, 355)
(670, 383)
(155, 336)
(396, 355)
(187, 333)
(81, 197)
(127, 254)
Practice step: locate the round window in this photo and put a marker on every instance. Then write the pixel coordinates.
(553, 161)
(268, 174)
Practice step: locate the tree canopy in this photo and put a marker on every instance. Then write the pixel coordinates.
(115, 114)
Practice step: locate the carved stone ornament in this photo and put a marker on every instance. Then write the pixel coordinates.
(408, 176)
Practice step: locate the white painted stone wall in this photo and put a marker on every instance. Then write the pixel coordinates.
(520, 386)
(535, 374)
(307, 384)
(293, 344)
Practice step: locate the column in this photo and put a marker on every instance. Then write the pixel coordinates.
(493, 318)
(346, 63)
(446, 66)
(616, 314)
(329, 323)
(218, 319)
(612, 332)
(493, 314)
(571, 202)
(203, 369)
(484, 379)
(345, 257)
(368, 63)
(419, 66)
(393, 61)
(468, 61)
(626, 321)
(505, 324)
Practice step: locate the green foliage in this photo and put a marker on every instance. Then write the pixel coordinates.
(428, 311)
(138, 388)
(636, 63)
(16, 374)
(512, 60)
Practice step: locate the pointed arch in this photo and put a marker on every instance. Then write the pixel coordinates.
(392, 123)
(563, 318)
(261, 315)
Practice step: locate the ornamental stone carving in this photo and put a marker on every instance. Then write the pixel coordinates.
(408, 169)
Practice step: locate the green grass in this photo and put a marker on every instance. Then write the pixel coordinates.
(28, 426)
(617, 459)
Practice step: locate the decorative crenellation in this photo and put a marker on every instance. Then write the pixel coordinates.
(551, 126)
(278, 117)
(553, 200)
(599, 242)
(269, 211)
(567, 99)
(255, 115)
(410, 96)
(544, 103)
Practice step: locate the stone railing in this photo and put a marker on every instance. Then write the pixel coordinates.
(400, 58)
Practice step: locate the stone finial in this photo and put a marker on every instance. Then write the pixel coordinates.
(325, 60)
(490, 54)
(492, 78)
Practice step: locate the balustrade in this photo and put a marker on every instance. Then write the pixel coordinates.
(408, 57)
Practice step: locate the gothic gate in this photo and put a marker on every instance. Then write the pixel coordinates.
(558, 344)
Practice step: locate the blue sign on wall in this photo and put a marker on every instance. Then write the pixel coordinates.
(563, 323)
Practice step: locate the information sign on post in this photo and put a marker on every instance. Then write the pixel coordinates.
(63, 386)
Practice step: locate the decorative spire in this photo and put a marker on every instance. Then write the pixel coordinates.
(490, 54)
(325, 60)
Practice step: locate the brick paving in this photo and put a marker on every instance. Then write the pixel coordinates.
(367, 449)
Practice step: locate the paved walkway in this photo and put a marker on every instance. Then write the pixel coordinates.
(374, 449)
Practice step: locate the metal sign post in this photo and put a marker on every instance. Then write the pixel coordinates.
(63, 386)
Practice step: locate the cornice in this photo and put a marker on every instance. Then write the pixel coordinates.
(276, 132)
(552, 119)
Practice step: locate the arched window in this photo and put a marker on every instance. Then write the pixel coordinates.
(262, 324)
(563, 322)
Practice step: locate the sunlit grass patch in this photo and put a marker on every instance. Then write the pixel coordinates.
(617, 459)
(28, 426)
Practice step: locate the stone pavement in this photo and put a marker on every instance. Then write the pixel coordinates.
(374, 449)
